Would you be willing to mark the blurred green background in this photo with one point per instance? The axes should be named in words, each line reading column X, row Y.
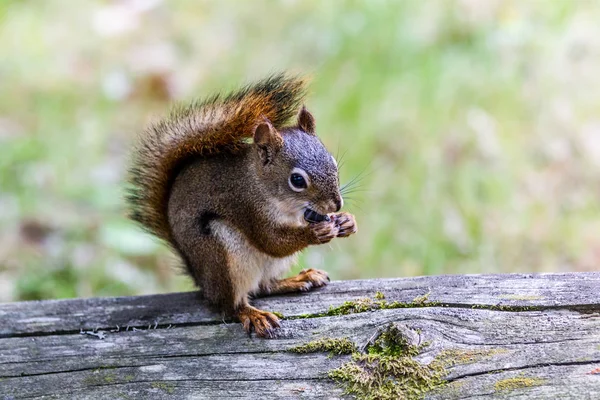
column 474, row 125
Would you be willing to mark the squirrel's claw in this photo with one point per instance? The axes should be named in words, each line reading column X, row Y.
column 315, row 277
column 339, row 225
column 263, row 322
column 324, row 231
column 246, row 324
column 346, row 224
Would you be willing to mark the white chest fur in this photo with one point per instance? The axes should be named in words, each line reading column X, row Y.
column 249, row 267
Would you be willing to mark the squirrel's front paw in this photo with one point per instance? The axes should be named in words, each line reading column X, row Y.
column 263, row 322
column 345, row 223
column 324, row 231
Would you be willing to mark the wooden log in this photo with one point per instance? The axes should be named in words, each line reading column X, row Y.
column 489, row 336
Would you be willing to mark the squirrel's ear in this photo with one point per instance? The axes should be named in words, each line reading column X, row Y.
column 306, row 121
column 267, row 140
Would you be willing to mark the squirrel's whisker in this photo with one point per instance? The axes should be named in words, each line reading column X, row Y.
column 358, row 178
column 341, row 160
column 354, row 181
column 357, row 190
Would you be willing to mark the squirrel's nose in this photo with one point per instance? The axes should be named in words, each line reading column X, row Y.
column 339, row 202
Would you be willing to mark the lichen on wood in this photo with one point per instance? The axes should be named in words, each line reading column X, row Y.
column 385, row 370
column 518, row 382
column 520, row 297
column 335, row 346
column 451, row 357
column 366, row 304
column 168, row 388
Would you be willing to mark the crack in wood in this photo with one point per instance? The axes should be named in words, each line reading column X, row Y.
column 523, row 368
column 24, row 375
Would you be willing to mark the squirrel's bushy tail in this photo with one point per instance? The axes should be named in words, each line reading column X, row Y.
column 217, row 124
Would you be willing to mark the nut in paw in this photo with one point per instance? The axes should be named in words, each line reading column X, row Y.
column 324, row 231
column 345, row 223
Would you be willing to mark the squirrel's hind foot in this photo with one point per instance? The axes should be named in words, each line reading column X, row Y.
column 263, row 322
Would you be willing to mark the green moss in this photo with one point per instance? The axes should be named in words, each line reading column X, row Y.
column 333, row 346
column 129, row 378
column 367, row 304
column 453, row 357
column 392, row 342
column 386, row 370
column 517, row 383
column 350, row 307
column 520, row 297
column 278, row 314
column 98, row 377
column 508, row 308
column 421, row 299
column 165, row 387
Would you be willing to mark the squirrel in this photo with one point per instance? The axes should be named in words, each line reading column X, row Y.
column 237, row 192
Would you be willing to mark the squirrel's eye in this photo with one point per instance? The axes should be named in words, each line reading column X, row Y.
column 297, row 182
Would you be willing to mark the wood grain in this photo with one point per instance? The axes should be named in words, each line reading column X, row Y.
column 545, row 327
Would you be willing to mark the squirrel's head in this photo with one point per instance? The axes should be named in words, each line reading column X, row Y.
column 296, row 168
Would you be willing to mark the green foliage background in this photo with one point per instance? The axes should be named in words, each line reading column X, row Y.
column 474, row 125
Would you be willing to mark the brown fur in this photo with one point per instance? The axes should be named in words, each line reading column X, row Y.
column 225, row 204
column 215, row 125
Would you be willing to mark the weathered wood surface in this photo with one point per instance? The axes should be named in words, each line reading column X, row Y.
column 190, row 352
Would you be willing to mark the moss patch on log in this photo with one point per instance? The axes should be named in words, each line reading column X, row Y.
column 520, row 297
column 378, row 303
column 451, row 357
column 366, row 304
column 168, row 388
column 385, row 370
column 504, row 307
column 99, row 377
column 517, row 382
column 336, row 346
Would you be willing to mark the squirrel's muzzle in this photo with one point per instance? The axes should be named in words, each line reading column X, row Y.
column 314, row 217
